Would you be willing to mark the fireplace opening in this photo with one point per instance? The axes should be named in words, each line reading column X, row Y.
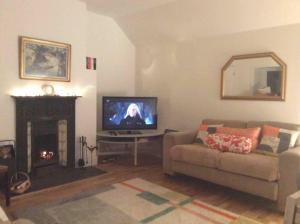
column 45, row 152
column 45, row 143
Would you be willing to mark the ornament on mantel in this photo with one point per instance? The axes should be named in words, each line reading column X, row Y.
column 48, row 90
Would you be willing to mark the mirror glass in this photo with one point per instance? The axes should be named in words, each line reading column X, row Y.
column 254, row 77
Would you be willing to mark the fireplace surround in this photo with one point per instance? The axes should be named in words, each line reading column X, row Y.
column 45, row 131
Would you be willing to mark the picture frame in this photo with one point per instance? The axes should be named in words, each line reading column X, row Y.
column 44, row 60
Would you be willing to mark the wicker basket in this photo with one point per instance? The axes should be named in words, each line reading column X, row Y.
column 19, row 183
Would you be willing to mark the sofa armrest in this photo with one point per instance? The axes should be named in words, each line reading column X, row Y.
column 289, row 175
column 175, row 138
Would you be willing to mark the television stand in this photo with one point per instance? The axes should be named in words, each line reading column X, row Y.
column 129, row 132
column 112, row 137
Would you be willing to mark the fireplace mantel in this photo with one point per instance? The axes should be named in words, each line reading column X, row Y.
column 44, row 97
column 36, row 108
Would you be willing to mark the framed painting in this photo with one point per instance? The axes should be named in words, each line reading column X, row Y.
column 44, row 60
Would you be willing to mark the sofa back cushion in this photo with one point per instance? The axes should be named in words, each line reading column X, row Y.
column 252, row 133
column 226, row 123
column 289, row 126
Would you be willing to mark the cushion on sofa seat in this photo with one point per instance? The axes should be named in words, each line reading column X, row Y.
column 277, row 140
column 289, row 126
column 229, row 143
column 204, row 130
column 195, row 154
column 253, row 165
column 252, row 133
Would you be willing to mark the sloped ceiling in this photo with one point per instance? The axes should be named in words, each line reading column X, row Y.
column 117, row 8
column 182, row 20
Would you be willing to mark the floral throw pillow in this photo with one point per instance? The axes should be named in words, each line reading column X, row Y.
column 252, row 133
column 229, row 143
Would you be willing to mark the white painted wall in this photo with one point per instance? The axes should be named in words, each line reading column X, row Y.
column 186, row 77
column 89, row 34
column 63, row 21
column 176, row 60
column 115, row 59
column 187, row 20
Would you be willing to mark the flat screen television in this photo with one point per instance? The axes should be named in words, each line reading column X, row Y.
column 129, row 113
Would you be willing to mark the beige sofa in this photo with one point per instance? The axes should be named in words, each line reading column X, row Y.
column 270, row 177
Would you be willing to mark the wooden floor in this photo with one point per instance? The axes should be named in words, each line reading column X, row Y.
column 151, row 170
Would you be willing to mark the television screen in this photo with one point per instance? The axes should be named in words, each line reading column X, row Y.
column 129, row 113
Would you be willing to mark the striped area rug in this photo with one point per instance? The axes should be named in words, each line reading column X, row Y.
column 3, row 216
column 135, row 201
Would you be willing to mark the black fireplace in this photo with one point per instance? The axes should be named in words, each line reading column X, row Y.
column 45, row 132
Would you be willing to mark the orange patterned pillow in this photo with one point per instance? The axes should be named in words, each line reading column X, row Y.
column 229, row 143
column 277, row 140
column 252, row 133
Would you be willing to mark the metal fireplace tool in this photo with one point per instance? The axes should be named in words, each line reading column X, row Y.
column 84, row 148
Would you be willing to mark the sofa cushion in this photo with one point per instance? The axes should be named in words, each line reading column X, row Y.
column 226, row 123
column 289, row 126
column 277, row 140
column 229, row 143
column 195, row 154
column 205, row 130
column 253, row 165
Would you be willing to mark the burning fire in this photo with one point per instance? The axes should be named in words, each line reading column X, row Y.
column 46, row 154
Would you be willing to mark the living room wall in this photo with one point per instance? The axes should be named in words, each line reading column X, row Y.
column 186, row 77
column 116, row 59
column 64, row 21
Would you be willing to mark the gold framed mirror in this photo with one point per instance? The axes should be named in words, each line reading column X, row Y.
column 260, row 76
